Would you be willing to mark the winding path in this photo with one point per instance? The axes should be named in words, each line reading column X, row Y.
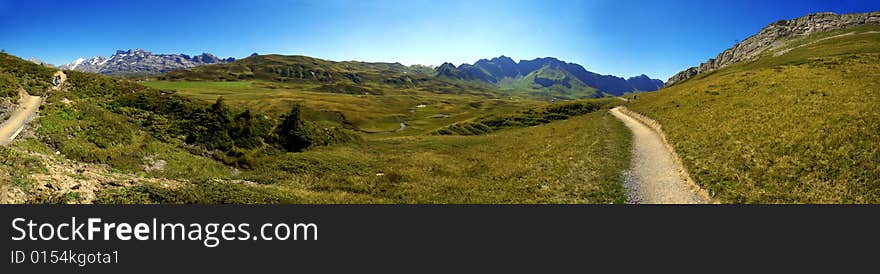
column 653, row 176
column 24, row 113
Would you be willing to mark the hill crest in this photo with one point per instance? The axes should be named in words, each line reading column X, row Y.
column 770, row 35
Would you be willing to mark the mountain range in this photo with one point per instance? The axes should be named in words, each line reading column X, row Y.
column 546, row 73
column 544, row 77
column 139, row 62
column 547, row 78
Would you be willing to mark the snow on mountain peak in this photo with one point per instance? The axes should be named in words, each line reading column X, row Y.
column 76, row 63
column 139, row 61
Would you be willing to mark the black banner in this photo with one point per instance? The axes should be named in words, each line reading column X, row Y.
column 429, row 238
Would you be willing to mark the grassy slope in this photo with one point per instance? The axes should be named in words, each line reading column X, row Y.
column 802, row 126
column 527, row 85
column 16, row 73
column 86, row 130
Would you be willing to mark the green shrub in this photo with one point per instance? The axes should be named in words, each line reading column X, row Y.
column 35, row 79
column 295, row 134
column 8, row 87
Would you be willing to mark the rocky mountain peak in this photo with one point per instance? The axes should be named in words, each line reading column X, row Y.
column 446, row 66
column 141, row 62
column 503, row 58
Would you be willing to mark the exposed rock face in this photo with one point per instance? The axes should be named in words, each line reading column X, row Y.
column 754, row 45
column 140, row 62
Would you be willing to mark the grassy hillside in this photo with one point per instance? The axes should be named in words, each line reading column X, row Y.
column 35, row 79
column 88, row 122
column 549, row 83
column 16, row 73
column 798, row 125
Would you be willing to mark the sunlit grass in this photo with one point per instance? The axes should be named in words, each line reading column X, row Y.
column 801, row 127
column 421, row 111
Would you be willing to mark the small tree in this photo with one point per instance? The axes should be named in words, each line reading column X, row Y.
column 249, row 130
column 293, row 133
column 212, row 127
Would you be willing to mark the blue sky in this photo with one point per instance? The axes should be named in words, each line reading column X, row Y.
column 620, row 37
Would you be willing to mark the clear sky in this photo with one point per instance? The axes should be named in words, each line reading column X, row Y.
column 620, row 37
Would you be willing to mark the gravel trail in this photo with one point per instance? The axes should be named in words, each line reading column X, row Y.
column 653, row 177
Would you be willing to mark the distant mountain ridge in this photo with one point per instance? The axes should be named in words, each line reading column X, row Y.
column 140, row 62
column 546, row 72
column 770, row 36
column 547, row 78
column 346, row 77
column 40, row 62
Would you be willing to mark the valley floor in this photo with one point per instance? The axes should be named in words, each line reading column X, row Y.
column 573, row 161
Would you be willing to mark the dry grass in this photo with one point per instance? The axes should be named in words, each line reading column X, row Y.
column 572, row 161
column 801, row 127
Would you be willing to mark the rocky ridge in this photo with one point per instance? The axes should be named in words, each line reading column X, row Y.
column 140, row 62
column 769, row 37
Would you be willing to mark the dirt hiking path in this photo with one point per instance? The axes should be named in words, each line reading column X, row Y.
column 24, row 112
column 653, row 176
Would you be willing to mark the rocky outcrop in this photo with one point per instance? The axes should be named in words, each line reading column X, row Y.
column 775, row 32
column 140, row 62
